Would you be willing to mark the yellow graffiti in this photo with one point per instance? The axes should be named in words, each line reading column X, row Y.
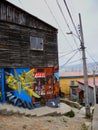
column 23, row 81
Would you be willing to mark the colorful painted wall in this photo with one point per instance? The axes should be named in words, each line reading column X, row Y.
column 30, row 85
column 65, row 83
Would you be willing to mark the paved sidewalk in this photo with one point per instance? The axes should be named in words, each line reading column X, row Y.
column 95, row 118
column 80, row 115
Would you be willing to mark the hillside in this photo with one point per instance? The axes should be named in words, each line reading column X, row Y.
column 79, row 67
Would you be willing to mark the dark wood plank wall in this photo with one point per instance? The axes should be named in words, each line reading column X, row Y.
column 16, row 27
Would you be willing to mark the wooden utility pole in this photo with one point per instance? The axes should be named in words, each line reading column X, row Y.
column 87, row 106
column 94, row 87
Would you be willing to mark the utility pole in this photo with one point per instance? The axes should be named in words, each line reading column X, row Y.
column 94, row 87
column 87, row 106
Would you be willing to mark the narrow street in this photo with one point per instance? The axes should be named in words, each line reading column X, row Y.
column 48, row 122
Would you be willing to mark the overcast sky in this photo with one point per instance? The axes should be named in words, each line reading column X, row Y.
column 89, row 14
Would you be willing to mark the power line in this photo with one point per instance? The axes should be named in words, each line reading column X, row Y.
column 92, row 58
column 66, row 21
column 65, row 3
column 68, row 53
column 92, row 66
column 69, row 59
column 63, row 14
column 63, row 52
column 76, row 60
column 57, row 23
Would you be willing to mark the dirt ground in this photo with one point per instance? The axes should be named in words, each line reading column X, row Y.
column 17, row 122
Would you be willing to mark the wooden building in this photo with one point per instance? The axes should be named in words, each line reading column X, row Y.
column 25, row 40
column 26, row 43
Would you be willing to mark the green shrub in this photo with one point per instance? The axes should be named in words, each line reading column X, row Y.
column 70, row 114
column 84, row 127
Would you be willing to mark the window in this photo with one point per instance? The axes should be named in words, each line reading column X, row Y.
column 72, row 83
column 74, row 91
column 36, row 43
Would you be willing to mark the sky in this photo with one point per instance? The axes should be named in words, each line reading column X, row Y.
column 48, row 11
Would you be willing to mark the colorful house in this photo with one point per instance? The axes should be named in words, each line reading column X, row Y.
column 68, row 79
column 78, row 92
column 28, row 57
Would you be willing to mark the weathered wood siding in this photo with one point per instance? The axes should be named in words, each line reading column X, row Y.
column 16, row 27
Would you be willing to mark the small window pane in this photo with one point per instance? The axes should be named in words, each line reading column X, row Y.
column 72, row 83
column 36, row 43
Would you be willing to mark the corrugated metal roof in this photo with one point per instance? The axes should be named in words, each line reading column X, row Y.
column 73, row 74
column 90, row 82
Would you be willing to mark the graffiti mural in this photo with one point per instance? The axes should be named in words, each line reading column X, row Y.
column 31, row 87
column 21, row 82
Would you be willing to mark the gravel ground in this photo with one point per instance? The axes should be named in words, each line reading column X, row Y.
column 17, row 122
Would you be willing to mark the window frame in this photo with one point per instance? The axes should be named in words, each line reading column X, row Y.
column 38, row 45
column 72, row 83
column 74, row 91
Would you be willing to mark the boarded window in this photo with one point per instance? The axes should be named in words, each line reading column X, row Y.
column 3, row 12
column 16, row 16
column 9, row 13
column 36, row 43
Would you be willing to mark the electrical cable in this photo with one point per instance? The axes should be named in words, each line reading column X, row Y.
column 92, row 58
column 57, row 23
column 76, row 60
column 68, row 53
column 63, row 14
column 65, row 3
column 69, row 59
column 66, row 21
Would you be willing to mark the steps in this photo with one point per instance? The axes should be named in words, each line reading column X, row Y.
column 9, row 109
column 16, row 101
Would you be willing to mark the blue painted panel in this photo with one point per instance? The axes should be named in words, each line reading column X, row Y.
column 16, row 72
column 56, row 74
column 20, row 70
column 22, row 95
column 2, row 90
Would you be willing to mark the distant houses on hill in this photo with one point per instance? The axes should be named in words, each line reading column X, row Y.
column 78, row 67
column 72, row 85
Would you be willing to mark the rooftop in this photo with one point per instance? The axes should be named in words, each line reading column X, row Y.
column 74, row 74
column 90, row 82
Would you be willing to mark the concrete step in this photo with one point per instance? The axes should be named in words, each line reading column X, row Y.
column 9, row 109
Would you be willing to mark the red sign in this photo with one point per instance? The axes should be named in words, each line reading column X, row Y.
column 40, row 75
